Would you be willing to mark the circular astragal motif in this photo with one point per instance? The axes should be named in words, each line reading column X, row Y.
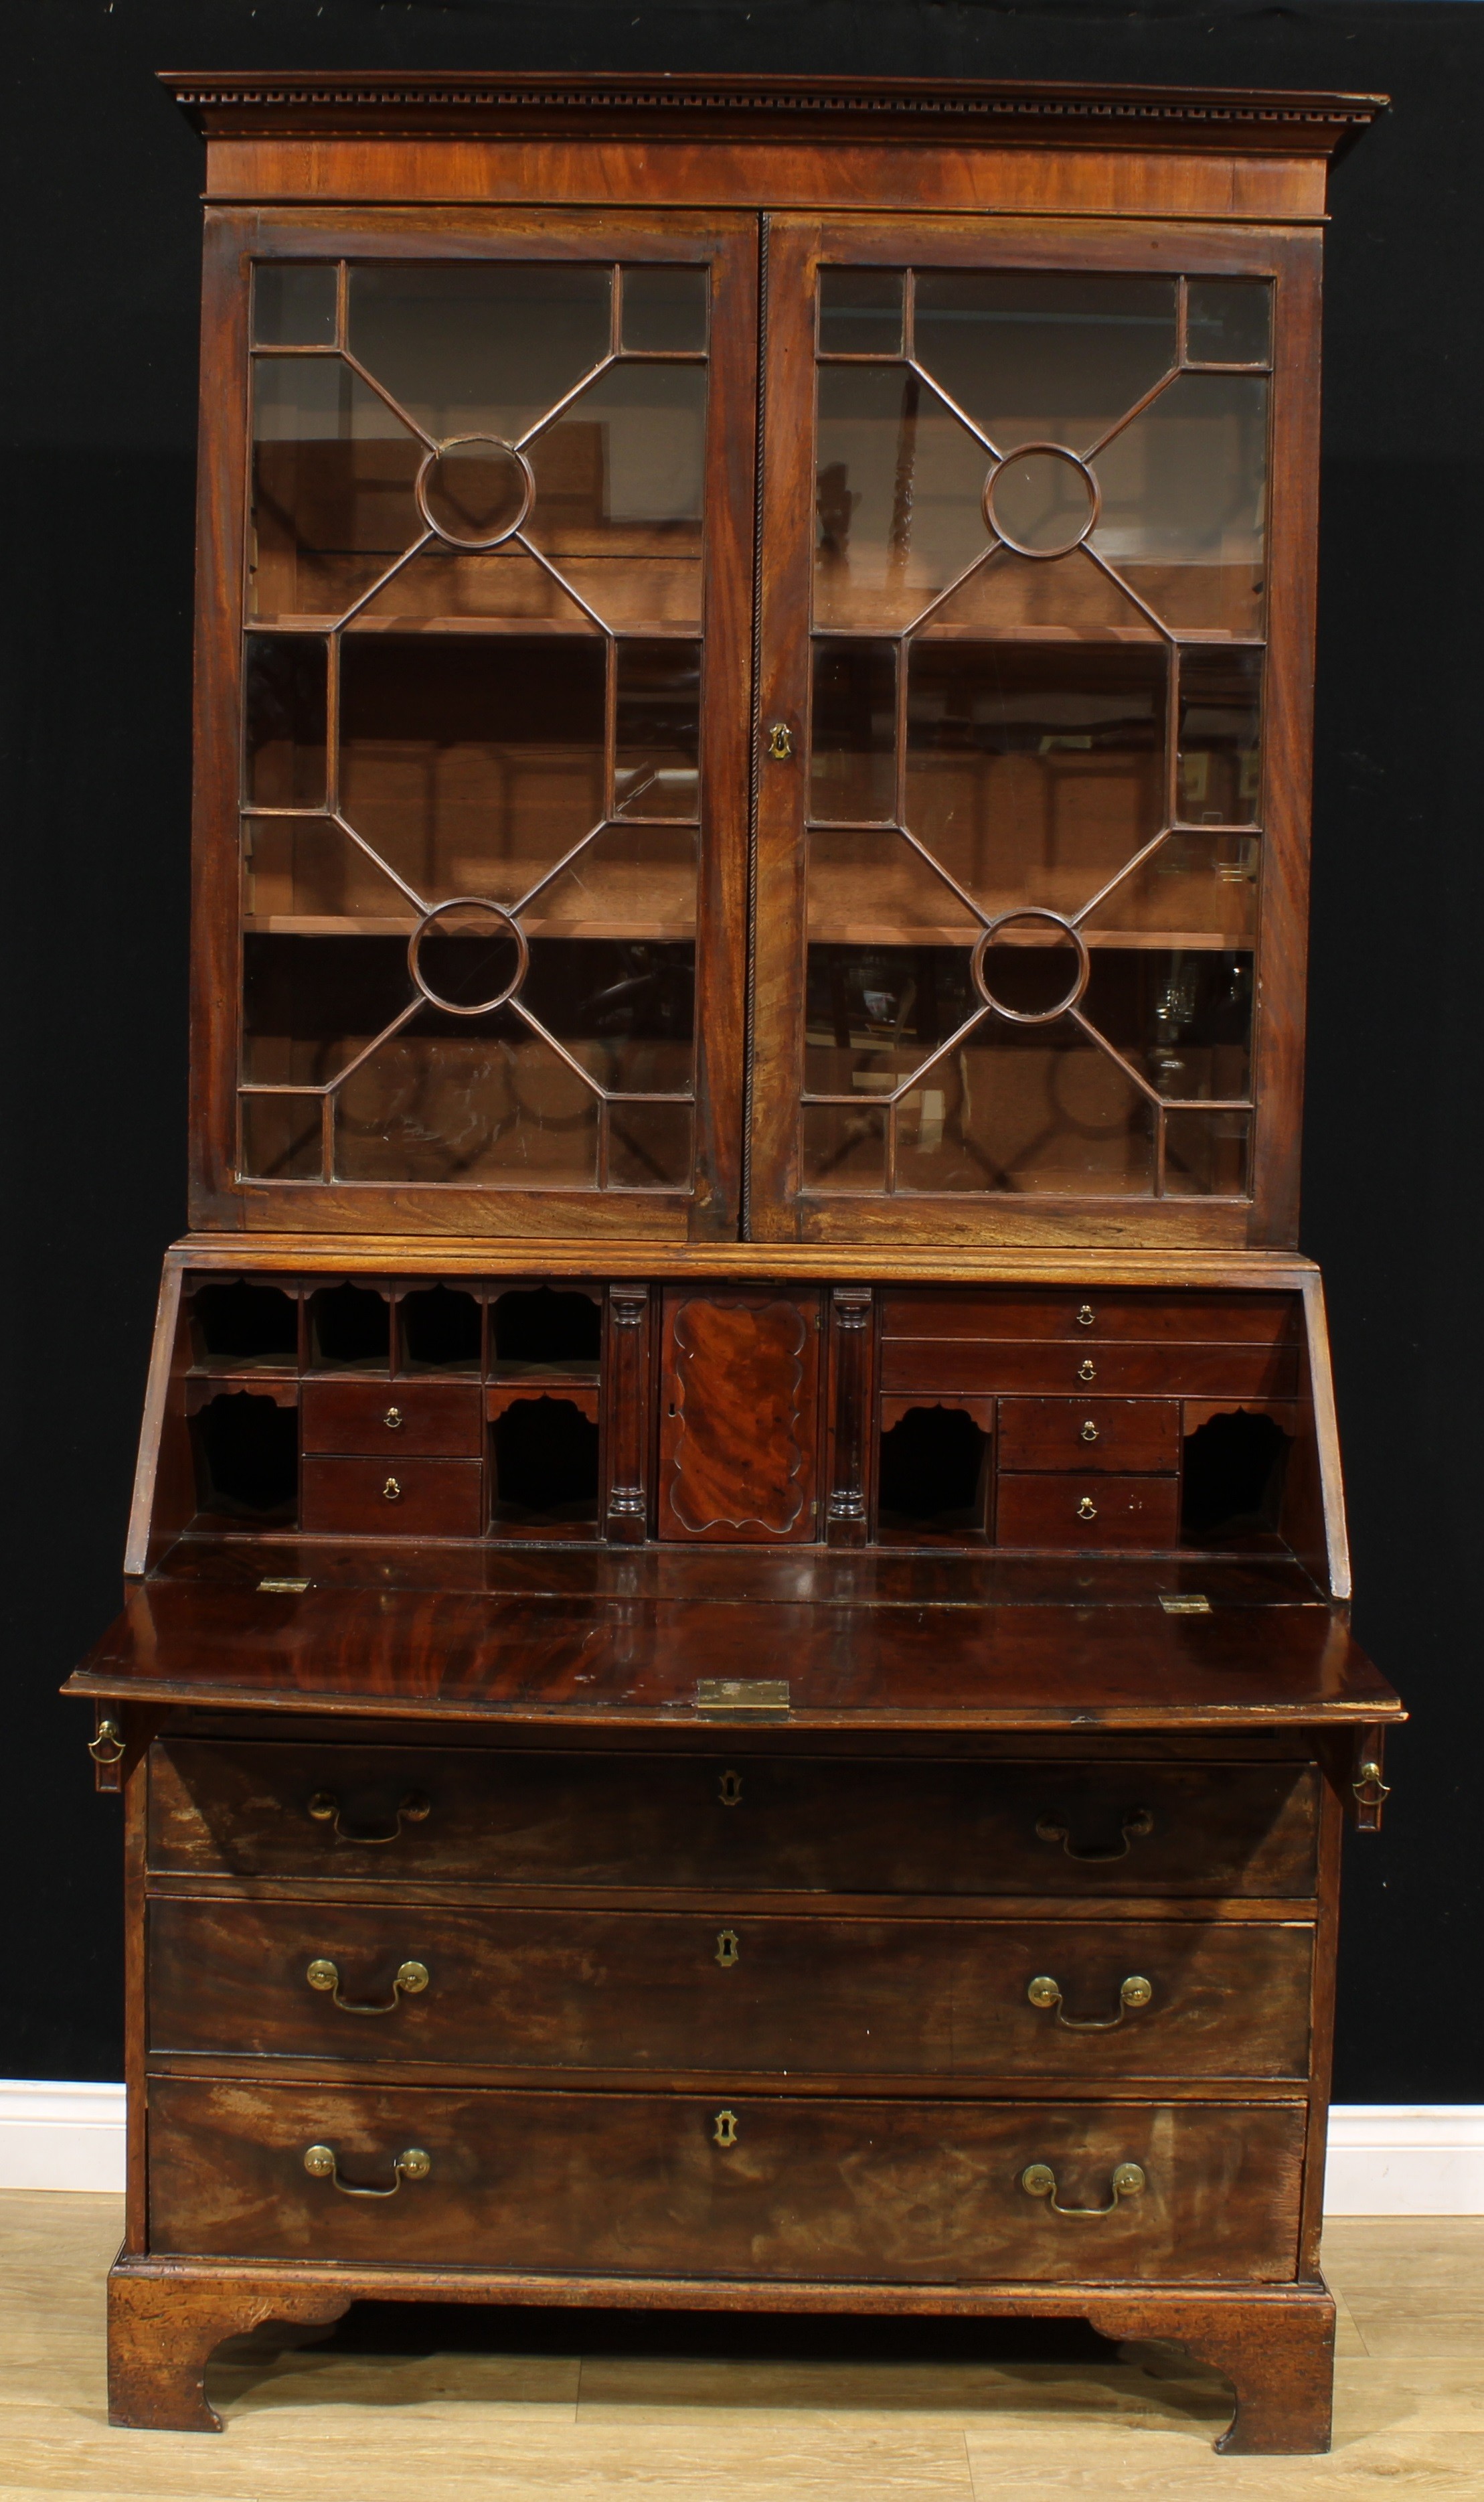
column 1041, row 500
column 475, row 490
column 476, row 948
column 1028, row 979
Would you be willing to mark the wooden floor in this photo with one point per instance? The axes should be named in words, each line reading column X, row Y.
column 536, row 2408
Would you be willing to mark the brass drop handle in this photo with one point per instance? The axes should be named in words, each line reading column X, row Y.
column 724, row 2128
column 728, row 1948
column 412, row 1809
column 1038, row 2180
column 1370, row 1789
column 729, row 1790
column 325, row 1975
column 1089, row 1429
column 106, row 1746
column 780, row 742
column 1133, row 1828
column 1086, row 1316
column 1132, row 1993
column 412, row 2164
column 1087, row 1509
column 1086, row 1370
column 393, row 1420
column 392, row 1492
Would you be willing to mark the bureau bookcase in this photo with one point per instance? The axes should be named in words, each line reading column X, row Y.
column 735, row 1684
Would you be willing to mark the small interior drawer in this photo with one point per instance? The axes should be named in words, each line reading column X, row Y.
column 391, row 1497
column 1089, row 1317
column 1093, row 1434
column 967, row 1367
column 1088, row 1511
column 437, row 1418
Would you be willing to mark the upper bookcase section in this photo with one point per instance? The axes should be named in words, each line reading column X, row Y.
column 753, row 657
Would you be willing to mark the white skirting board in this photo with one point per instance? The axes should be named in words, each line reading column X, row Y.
column 1385, row 2158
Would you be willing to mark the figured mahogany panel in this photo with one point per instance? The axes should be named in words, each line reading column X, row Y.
column 732, row 1991
column 739, row 1416
column 735, row 2184
column 779, row 1822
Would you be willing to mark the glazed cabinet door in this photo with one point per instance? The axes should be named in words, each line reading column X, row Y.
column 473, row 730
column 1037, row 626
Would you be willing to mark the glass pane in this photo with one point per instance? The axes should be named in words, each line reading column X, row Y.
column 853, row 744
column 619, row 490
column 1183, row 497
column 657, row 738
column 1221, row 721
column 664, row 311
column 479, row 348
column 649, row 1146
column 1008, row 592
column 303, row 873
column 1205, row 1154
column 1183, row 1017
column 1044, row 355
column 871, row 889
column 899, row 496
column 1228, row 322
column 1034, row 771
column 625, row 1010
column 448, row 582
column 875, row 1014
column 1038, row 1108
column 281, row 1136
column 629, row 882
column 472, row 764
column 860, row 311
column 310, row 1005
column 1193, row 889
column 466, row 1099
column 283, row 721
column 332, row 487
column 844, row 1148
column 293, row 304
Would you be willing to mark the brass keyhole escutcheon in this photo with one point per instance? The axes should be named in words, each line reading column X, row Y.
column 724, row 2128
column 1089, row 1429
column 780, row 742
column 1087, row 1509
column 728, row 1946
column 1086, row 1370
column 393, row 1420
column 729, row 1790
column 392, row 1492
column 1086, row 1316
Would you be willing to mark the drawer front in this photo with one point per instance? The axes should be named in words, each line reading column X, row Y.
column 777, row 1823
column 395, row 1417
column 1240, row 1319
column 391, row 1497
column 1089, row 1434
column 965, row 1368
column 731, row 1993
column 1088, row 1511
column 730, row 2184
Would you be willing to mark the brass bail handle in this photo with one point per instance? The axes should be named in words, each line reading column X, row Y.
column 322, row 2163
column 1133, row 1993
column 325, row 1808
column 106, row 1746
column 1038, row 2180
column 411, row 1977
column 1135, row 1826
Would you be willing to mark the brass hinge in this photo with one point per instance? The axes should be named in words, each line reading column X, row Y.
column 742, row 1698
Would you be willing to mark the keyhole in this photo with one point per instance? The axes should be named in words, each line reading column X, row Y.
column 729, row 1790
column 728, row 1946
column 724, row 2128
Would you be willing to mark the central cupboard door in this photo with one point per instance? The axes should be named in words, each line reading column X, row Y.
column 476, row 912
column 1030, row 581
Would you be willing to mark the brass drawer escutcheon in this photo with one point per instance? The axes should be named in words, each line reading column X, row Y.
column 391, row 1490
column 1038, row 2180
column 1086, row 1316
column 729, row 1790
column 1086, row 1370
column 1087, row 1430
column 1087, row 1509
column 325, row 1976
column 728, row 1948
column 1135, row 1826
column 724, row 2128
column 780, row 742
column 412, row 1809
column 393, row 1420
column 322, row 2163
column 1133, row 1993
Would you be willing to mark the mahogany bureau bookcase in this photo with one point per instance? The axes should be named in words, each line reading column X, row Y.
column 735, row 1686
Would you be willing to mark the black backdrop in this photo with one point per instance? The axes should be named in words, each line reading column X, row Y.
column 98, row 357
